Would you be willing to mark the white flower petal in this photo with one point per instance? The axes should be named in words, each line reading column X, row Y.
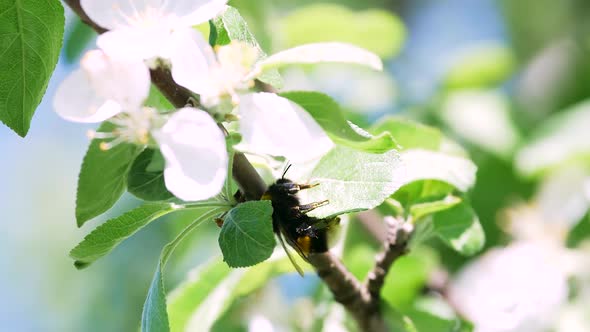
column 125, row 82
column 77, row 101
column 136, row 43
column 195, row 153
column 114, row 14
column 194, row 12
column 322, row 52
column 191, row 59
column 276, row 126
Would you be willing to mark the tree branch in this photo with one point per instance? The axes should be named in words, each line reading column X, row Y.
column 398, row 234
column 361, row 300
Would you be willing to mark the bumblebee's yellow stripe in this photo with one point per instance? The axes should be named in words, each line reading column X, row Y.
column 304, row 243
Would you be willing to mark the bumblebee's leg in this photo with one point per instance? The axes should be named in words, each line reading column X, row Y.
column 311, row 206
column 294, row 188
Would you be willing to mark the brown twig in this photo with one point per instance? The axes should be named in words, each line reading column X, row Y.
column 361, row 300
column 398, row 234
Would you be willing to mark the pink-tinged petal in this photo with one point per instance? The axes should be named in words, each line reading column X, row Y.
column 114, row 14
column 77, row 101
column 194, row 12
column 195, row 153
column 276, row 126
column 191, row 58
column 125, row 82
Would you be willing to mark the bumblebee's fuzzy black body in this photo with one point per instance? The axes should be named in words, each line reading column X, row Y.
column 304, row 233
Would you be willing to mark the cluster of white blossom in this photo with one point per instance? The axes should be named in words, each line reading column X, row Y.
column 114, row 82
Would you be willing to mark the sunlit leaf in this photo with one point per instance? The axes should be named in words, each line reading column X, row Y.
column 331, row 52
column 562, row 139
column 328, row 115
column 209, row 290
column 31, row 34
column 353, row 180
column 333, row 22
column 429, row 165
column 154, row 316
column 485, row 65
column 459, row 228
column 409, row 134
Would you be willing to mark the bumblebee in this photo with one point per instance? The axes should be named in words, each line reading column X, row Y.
column 291, row 223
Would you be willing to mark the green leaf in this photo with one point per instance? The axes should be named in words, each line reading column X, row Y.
column 157, row 100
column 332, row 22
column 231, row 26
column 328, row 115
column 579, row 233
column 422, row 191
column 77, row 39
column 484, row 66
column 147, row 182
column 409, row 134
column 407, row 278
column 103, row 177
column 433, row 314
column 154, row 316
column 562, row 139
column 352, row 181
column 210, row 290
column 430, row 165
column 459, row 228
column 422, row 210
column 246, row 236
column 107, row 236
column 31, row 34
column 327, row 52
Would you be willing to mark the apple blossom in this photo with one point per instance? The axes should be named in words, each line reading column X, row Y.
column 145, row 29
column 276, row 126
column 195, row 153
column 102, row 88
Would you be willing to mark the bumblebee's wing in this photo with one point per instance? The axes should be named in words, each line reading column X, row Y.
column 295, row 265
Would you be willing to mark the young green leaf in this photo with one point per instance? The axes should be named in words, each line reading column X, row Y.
column 107, row 236
column 561, row 139
column 459, row 228
column 208, row 292
column 484, row 66
column 231, row 26
column 103, row 177
column 321, row 22
column 422, row 191
column 327, row 52
column 429, row 165
column 420, row 210
column 353, row 180
column 154, row 316
column 409, row 134
column 326, row 112
column 31, row 34
column 246, row 236
column 147, row 182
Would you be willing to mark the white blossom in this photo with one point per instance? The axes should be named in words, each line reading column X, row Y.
column 144, row 29
column 103, row 87
column 517, row 288
column 195, row 153
column 276, row 126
